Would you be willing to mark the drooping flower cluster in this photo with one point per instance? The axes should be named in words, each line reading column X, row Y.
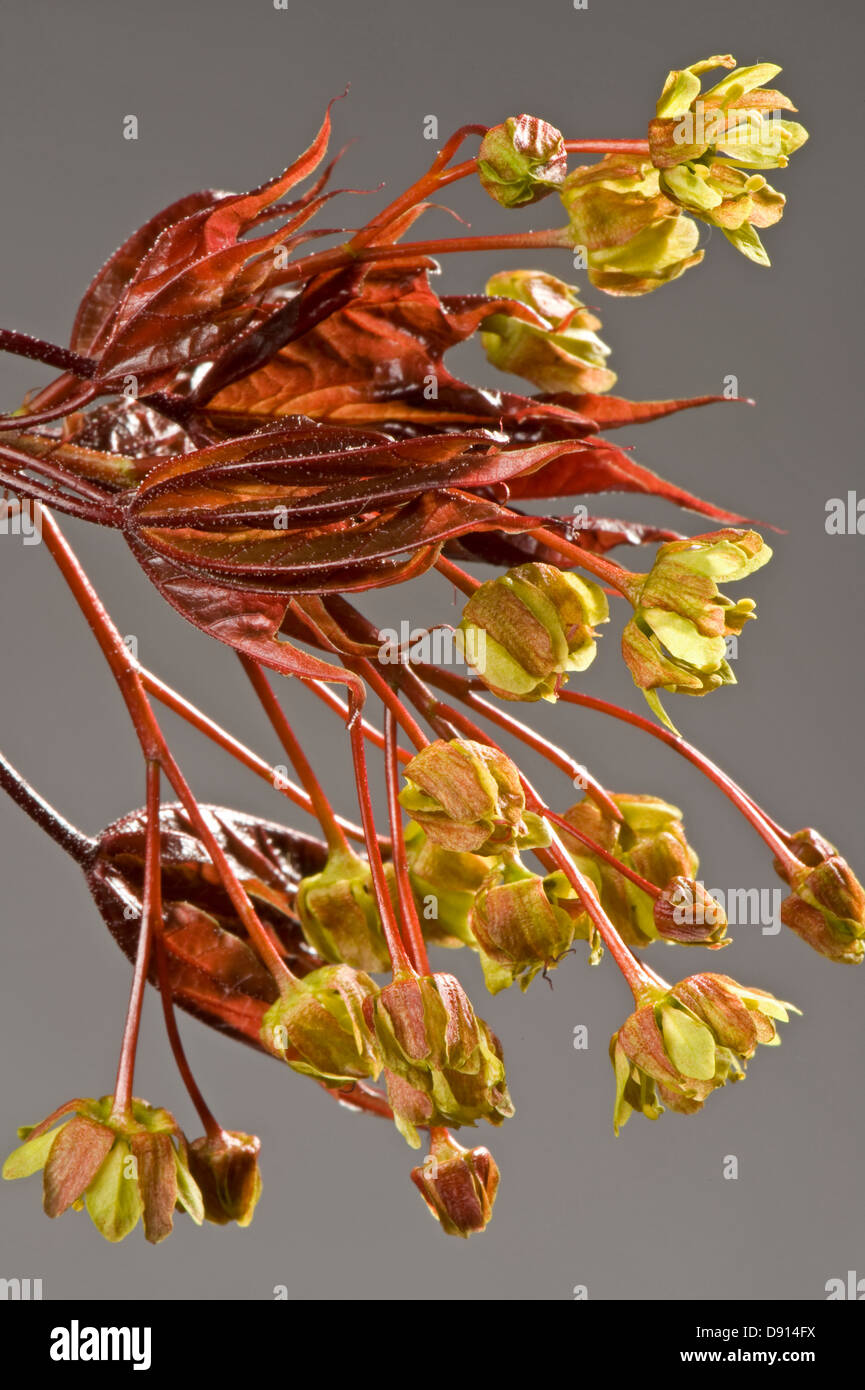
column 298, row 441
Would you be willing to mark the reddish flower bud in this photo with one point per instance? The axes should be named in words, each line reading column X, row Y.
column 226, row 1170
column 687, row 914
column 522, row 161
column 827, row 909
column 458, row 1185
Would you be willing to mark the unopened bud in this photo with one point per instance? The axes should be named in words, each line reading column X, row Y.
column 522, row 161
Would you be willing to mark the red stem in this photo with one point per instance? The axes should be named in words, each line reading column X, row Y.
column 196, row 717
column 151, row 917
column 399, row 960
column 323, row 810
column 466, row 583
column 651, row 888
column 749, row 809
column 339, row 706
column 212, row 1128
column 408, row 909
column 606, row 570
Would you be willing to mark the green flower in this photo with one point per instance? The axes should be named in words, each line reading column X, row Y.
column 447, row 882
column 676, row 1049
column 523, row 925
column 318, row 1026
column 526, row 630
column 651, row 840
column 676, row 639
column 120, row 1168
column 469, row 796
column 522, row 161
column 339, row 913
column 707, row 146
column 635, row 237
column 558, row 349
column 443, row 1064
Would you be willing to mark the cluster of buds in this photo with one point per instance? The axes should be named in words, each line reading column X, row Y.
column 826, row 907
column 443, row 1064
column 676, row 640
column 708, row 145
column 123, row 1168
column 367, row 510
column 634, row 237
column 650, row 839
column 529, row 628
column 558, row 348
column 682, row 1043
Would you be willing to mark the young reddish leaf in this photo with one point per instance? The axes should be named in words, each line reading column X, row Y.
column 261, row 512
column 198, row 284
column 104, row 295
column 378, row 361
column 596, row 533
column 598, row 466
column 214, row 972
column 249, row 620
column 611, row 412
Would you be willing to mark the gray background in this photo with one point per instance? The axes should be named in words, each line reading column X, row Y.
column 226, row 94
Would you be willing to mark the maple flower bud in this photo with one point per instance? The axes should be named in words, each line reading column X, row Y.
column 447, row 1059
column 527, row 629
column 686, row 914
column 121, row 1168
column 444, row 883
column 676, row 639
column 520, row 927
column 458, row 1185
column 556, row 347
column 339, row 913
column 651, row 840
column 689, row 1040
column 318, row 1026
column 634, row 237
column 827, row 908
column 809, row 847
column 707, row 145
column 225, row 1166
column 468, row 796
column 522, row 161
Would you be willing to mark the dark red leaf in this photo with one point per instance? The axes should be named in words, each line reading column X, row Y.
column 214, row 972
column 611, row 412
column 598, row 466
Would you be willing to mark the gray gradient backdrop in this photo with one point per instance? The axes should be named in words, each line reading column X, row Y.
column 226, row 93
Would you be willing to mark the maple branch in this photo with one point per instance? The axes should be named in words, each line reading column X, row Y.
column 80, row 847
